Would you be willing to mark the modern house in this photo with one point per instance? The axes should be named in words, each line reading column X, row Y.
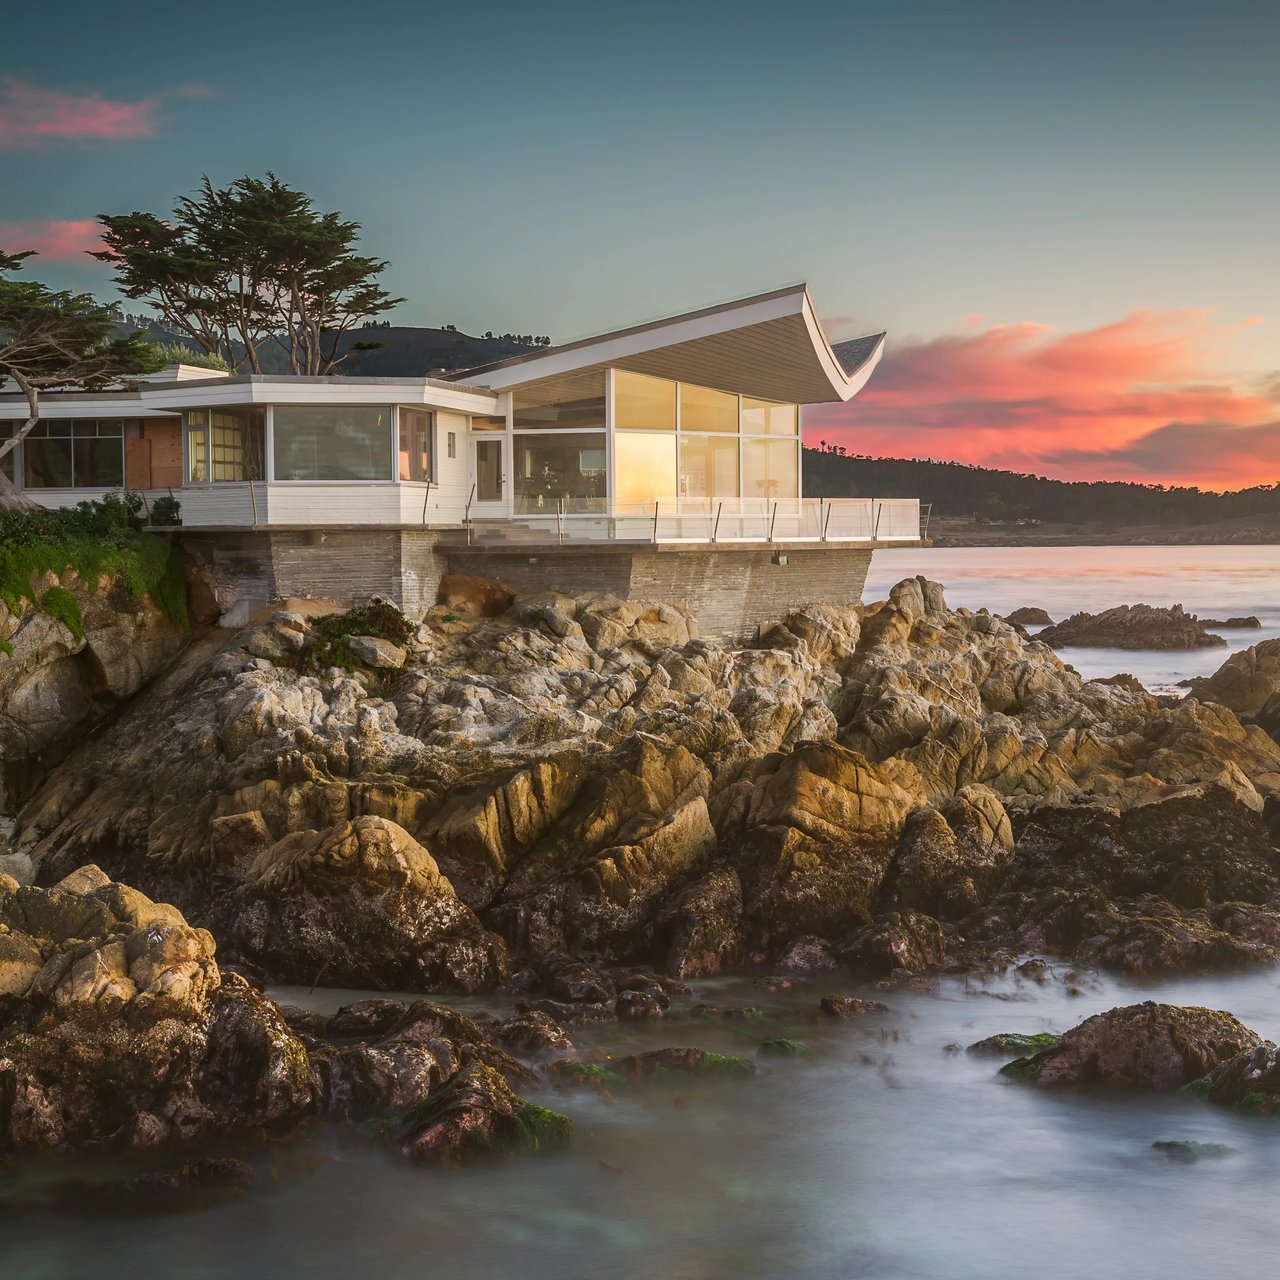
column 661, row 461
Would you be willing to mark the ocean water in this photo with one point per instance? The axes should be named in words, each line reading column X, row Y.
column 1214, row 582
column 886, row 1153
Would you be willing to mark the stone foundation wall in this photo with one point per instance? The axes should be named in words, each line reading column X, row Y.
column 733, row 591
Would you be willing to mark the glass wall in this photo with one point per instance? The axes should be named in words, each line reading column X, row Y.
column 770, row 469
column 561, row 403
column 415, row 445
column 332, row 444
column 560, row 468
column 644, row 466
column 641, row 403
column 79, row 454
column 767, row 418
column 702, row 409
column 708, row 466
column 225, row 445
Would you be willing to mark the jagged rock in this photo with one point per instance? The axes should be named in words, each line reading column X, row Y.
column 1146, row 1046
column 359, row 904
column 1138, row 626
column 1028, row 616
column 850, row 1006
column 532, row 1032
column 907, row 942
column 1247, row 681
column 1250, row 623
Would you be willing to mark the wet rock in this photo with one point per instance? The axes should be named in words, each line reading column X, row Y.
column 1249, row 623
column 906, row 941
column 1015, row 1043
column 1187, row 1152
column 726, row 1013
column 1143, row 1046
column 190, row 1185
column 478, row 1114
column 1249, row 1082
column 773, row 982
column 1138, row 626
column 850, row 1006
column 532, row 1032
column 783, row 1048
column 365, row 1018
column 569, row 1014
column 699, row 1063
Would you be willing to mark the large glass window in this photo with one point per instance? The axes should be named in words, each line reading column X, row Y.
column 415, row 445
column 332, row 444
column 641, row 403
column 702, row 409
column 768, row 418
column 644, row 465
column 770, row 469
column 576, row 401
column 225, row 445
column 556, row 468
column 80, row 454
column 708, row 466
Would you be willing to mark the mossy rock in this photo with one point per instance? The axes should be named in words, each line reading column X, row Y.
column 1187, row 1152
column 781, row 1047
column 590, row 1075
column 1021, row 1044
column 685, row 1063
column 1023, row 1070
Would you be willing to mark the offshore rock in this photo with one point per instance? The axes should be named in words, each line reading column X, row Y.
column 1138, row 626
column 1144, row 1046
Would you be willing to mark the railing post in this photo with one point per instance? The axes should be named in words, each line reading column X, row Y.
column 926, row 511
column 560, row 519
column 875, row 532
column 253, row 503
column 715, row 529
column 655, row 523
column 773, row 520
column 466, row 513
column 826, row 520
column 425, row 496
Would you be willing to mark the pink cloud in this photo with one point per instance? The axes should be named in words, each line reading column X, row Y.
column 1075, row 405
column 60, row 241
column 31, row 116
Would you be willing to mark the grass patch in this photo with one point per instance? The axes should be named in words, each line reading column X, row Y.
column 95, row 540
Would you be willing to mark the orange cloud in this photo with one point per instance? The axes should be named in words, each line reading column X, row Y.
column 61, row 241
column 1128, row 400
column 31, row 116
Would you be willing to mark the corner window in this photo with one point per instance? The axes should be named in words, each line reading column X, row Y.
column 768, row 418
column 702, row 409
column 332, row 444
column 415, row 445
column 225, row 445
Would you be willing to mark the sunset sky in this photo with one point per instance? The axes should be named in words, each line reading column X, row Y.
column 1064, row 215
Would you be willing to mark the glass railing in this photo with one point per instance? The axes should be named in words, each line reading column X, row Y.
column 866, row 520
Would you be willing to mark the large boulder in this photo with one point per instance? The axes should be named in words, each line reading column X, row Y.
column 359, row 904
column 1247, row 682
column 1143, row 1046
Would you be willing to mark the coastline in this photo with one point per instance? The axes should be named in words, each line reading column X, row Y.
column 1247, row 531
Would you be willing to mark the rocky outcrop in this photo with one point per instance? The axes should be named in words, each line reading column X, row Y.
column 1248, row 682
column 1142, row 1046
column 63, row 667
column 1250, row 623
column 1028, row 617
column 119, row 1029
column 1138, row 626
column 576, row 785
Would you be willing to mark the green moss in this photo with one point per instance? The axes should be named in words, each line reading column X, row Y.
column 725, row 1065
column 591, row 1074
column 783, row 1048
column 63, row 607
column 328, row 643
column 1190, row 1152
column 1018, row 1042
column 1196, row 1089
column 1257, row 1104
column 1024, row 1070
column 6, row 648
column 539, row 1128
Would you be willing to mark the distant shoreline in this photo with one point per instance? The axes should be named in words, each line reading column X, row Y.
column 1233, row 533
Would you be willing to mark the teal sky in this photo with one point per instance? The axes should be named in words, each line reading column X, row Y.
column 565, row 168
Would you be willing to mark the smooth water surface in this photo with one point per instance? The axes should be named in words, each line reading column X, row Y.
column 1214, row 582
column 887, row 1154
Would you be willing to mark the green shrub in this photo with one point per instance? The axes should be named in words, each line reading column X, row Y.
column 165, row 511
column 327, row 644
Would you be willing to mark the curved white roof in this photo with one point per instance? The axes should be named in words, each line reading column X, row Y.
column 771, row 345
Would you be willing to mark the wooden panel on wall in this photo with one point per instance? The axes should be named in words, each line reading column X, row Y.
column 165, row 438
column 137, row 464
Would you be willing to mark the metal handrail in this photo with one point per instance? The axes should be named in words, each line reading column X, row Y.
column 466, row 512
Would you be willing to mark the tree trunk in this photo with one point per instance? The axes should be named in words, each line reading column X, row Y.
column 11, row 498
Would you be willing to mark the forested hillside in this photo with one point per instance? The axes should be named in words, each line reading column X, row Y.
column 957, row 490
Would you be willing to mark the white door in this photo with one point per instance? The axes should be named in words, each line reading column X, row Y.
column 489, row 475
